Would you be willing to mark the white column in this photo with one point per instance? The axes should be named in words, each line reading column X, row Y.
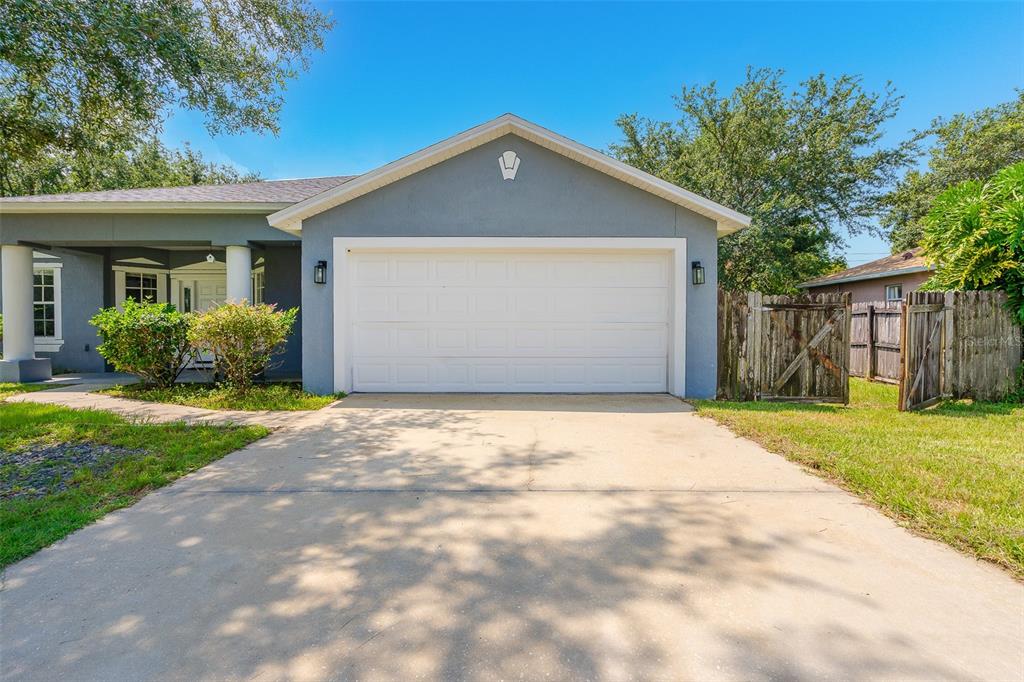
column 239, row 260
column 19, row 336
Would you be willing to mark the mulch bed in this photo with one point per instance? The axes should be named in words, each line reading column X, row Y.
column 38, row 471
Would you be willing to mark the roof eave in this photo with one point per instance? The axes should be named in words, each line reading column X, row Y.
column 290, row 218
column 30, row 207
column 860, row 278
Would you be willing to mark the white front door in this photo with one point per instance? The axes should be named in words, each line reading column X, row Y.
column 509, row 320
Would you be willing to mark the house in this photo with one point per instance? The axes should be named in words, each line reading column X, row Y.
column 505, row 258
column 885, row 279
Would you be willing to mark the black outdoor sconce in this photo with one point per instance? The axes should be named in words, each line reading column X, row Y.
column 698, row 272
column 320, row 272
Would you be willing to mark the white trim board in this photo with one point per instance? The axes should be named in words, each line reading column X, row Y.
column 341, row 275
column 290, row 219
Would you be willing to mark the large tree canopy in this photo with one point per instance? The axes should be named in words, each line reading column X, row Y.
column 147, row 164
column 98, row 76
column 974, row 233
column 804, row 164
column 966, row 147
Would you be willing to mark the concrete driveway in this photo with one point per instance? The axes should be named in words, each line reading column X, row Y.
column 494, row 537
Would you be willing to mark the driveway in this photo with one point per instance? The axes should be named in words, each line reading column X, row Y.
column 493, row 537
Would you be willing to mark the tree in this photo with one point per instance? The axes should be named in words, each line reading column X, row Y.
column 97, row 77
column 802, row 164
column 149, row 164
column 966, row 147
column 974, row 234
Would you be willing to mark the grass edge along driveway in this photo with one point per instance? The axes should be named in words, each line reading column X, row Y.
column 275, row 396
column 168, row 451
column 953, row 473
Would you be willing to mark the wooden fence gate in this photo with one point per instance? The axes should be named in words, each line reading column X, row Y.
column 957, row 344
column 923, row 339
column 793, row 348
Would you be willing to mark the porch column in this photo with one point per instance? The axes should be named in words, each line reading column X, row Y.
column 19, row 361
column 239, row 260
column 16, row 265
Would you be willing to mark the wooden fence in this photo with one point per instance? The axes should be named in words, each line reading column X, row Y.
column 958, row 344
column 963, row 344
column 793, row 348
column 875, row 340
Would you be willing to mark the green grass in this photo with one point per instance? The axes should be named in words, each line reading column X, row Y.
column 7, row 390
column 954, row 472
column 260, row 397
column 170, row 451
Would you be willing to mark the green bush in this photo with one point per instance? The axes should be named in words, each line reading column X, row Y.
column 149, row 340
column 242, row 338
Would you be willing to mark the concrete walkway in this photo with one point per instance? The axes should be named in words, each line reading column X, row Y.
column 505, row 537
column 82, row 395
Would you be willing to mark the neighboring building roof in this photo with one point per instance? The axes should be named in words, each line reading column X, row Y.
column 290, row 219
column 268, row 195
column 890, row 266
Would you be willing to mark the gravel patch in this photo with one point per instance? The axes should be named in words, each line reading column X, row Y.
column 42, row 470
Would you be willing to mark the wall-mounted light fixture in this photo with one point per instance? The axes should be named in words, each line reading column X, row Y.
column 320, row 272
column 698, row 272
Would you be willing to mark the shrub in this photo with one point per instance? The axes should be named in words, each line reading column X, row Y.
column 242, row 338
column 149, row 340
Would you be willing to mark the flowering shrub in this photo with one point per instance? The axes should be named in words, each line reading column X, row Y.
column 149, row 340
column 242, row 338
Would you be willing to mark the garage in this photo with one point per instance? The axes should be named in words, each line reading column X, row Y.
column 519, row 316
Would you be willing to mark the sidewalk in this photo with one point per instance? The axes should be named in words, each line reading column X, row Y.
column 81, row 396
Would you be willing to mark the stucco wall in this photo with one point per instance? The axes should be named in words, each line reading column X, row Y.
column 81, row 296
column 552, row 196
column 869, row 290
column 282, row 265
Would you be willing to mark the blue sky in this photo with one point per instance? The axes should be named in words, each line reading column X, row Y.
column 395, row 77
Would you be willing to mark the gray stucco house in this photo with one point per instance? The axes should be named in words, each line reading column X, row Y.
column 505, row 258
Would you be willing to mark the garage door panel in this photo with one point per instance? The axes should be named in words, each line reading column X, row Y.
column 629, row 375
column 534, row 304
column 528, row 321
column 382, row 340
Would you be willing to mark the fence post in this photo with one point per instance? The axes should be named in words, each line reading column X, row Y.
column 949, row 349
column 904, row 320
column 848, row 338
column 754, row 314
column 870, row 371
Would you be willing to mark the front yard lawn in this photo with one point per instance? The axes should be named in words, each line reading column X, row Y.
column 61, row 469
column 260, row 397
column 954, row 472
column 10, row 389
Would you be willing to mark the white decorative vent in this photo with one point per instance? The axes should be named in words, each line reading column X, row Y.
column 509, row 163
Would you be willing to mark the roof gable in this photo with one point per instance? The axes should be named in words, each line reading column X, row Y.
column 290, row 219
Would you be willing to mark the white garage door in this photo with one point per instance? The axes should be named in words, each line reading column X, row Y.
column 509, row 321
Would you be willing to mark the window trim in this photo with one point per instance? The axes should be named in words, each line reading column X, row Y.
column 258, row 275
column 119, row 282
column 899, row 296
column 50, row 344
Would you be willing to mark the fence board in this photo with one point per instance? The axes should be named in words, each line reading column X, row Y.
column 875, row 340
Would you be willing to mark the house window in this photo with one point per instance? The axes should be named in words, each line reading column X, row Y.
column 140, row 287
column 894, row 292
column 258, row 286
column 45, row 309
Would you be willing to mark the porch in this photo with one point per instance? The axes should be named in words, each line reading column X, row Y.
column 50, row 291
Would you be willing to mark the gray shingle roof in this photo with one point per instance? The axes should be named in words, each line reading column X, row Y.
column 269, row 191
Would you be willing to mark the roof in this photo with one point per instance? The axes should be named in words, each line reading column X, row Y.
column 896, row 264
column 264, row 196
column 290, row 219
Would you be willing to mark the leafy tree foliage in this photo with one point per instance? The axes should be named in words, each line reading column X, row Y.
column 149, row 164
column 803, row 164
column 966, row 147
column 974, row 233
column 98, row 76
